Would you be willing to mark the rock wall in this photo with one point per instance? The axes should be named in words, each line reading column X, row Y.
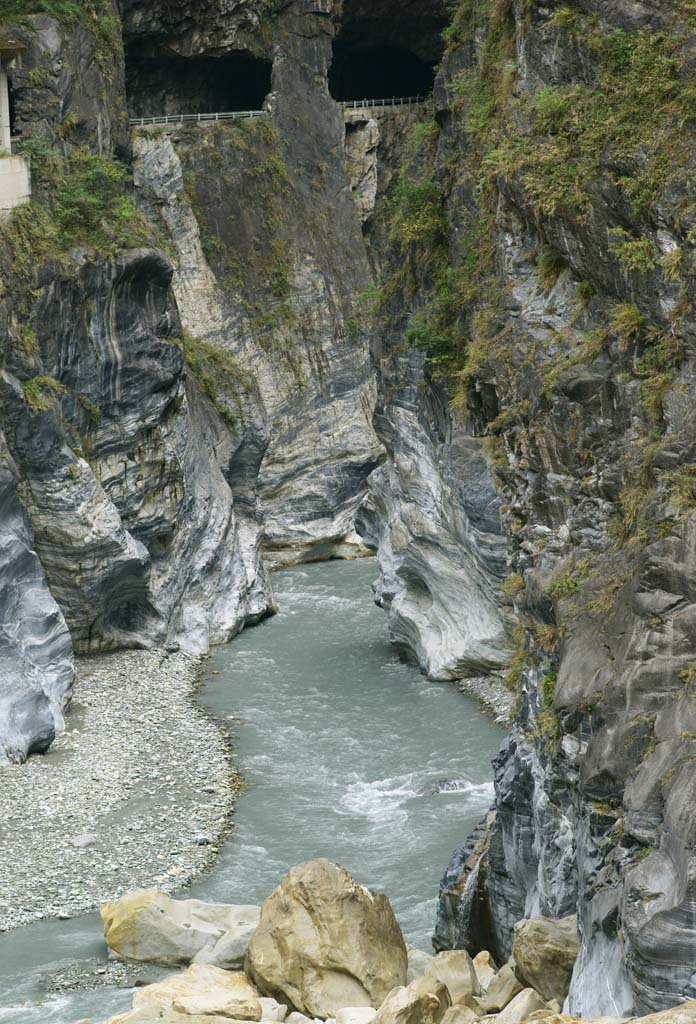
column 268, row 267
column 180, row 389
column 432, row 513
column 523, row 281
column 36, row 655
column 566, row 335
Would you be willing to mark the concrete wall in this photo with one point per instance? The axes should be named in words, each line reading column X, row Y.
column 15, row 182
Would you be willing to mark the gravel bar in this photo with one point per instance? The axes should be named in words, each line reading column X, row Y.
column 138, row 792
column 493, row 696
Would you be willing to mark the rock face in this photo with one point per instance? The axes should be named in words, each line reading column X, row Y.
column 530, row 235
column 150, row 927
column 325, row 942
column 575, row 358
column 168, row 415
column 258, row 273
column 432, row 513
column 35, row 650
column 148, row 510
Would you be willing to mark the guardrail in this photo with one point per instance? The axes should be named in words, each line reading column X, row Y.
column 395, row 101
column 234, row 115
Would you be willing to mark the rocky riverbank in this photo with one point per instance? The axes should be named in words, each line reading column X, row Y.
column 495, row 698
column 137, row 792
column 323, row 947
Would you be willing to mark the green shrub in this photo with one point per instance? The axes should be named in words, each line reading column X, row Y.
column 418, row 214
column 633, row 253
column 62, row 10
column 92, row 207
column 547, row 688
column 218, row 374
column 551, row 266
column 40, row 393
column 626, row 322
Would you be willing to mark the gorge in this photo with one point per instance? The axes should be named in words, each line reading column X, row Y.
column 455, row 332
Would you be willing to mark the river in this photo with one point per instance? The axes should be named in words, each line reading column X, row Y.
column 345, row 751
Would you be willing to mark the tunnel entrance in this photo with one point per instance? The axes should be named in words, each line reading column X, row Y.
column 378, row 72
column 387, row 48
column 170, row 84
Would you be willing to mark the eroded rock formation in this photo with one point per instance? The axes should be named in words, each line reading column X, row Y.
column 36, row 655
column 162, row 435
column 574, row 332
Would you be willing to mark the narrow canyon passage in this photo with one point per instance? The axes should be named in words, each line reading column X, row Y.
column 346, row 752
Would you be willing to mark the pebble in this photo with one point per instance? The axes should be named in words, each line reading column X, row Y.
column 90, row 974
column 494, row 697
column 82, row 842
column 122, row 798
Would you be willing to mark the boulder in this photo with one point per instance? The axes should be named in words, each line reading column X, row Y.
column 455, row 969
column 324, row 942
column 149, row 926
column 418, row 963
column 460, row 1014
column 545, row 951
column 230, row 949
column 425, row 1001
column 500, row 991
column 271, row 1010
column 520, row 1008
column 202, row 990
column 356, row 1015
column 684, row 1014
column 485, row 968
column 150, row 1015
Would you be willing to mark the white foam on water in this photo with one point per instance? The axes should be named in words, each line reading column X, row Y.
column 68, row 1008
column 333, row 601
column 380, row 799
column 452, row 787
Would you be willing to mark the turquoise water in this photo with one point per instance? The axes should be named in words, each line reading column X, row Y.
column 346, row 752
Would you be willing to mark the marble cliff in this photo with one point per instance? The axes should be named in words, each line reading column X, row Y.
column 458, row 334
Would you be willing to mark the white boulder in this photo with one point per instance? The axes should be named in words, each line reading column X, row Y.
column 148, row 926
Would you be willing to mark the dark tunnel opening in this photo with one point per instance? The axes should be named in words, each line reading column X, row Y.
column 387, row 48
column 378, row 72
column 170, row 85
column 13, row 108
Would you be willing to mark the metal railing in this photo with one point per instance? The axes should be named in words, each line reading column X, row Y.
column 395, row 101
column 233, row 115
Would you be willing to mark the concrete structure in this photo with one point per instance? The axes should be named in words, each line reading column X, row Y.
column 15, row 182
column 15, row 176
